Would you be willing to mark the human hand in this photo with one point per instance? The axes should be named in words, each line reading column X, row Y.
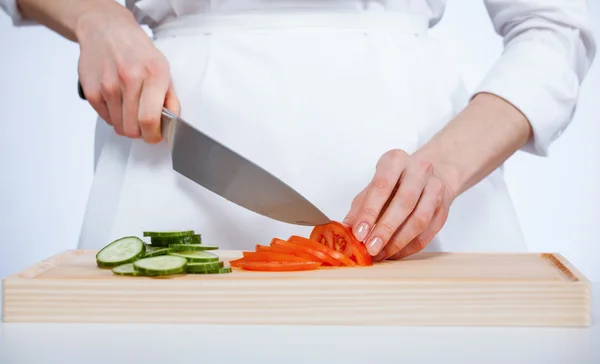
column 406, row 202
column 124, row 76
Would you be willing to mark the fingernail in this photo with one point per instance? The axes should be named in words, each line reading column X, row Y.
column 374, row 246
column 362, row 231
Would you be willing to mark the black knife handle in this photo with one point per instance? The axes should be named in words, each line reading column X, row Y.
column 80, row 91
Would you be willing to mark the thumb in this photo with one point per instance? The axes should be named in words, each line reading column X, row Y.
column 171, row 100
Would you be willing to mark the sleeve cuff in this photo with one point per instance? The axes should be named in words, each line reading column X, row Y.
column 11, row 9
column 538, row 82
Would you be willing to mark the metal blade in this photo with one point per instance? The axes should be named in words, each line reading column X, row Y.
column 233, row 177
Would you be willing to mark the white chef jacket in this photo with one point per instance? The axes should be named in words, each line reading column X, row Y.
column 548, row 48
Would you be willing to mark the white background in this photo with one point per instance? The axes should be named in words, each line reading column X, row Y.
column 46, row 147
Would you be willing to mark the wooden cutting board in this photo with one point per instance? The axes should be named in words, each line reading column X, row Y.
column 469, row 289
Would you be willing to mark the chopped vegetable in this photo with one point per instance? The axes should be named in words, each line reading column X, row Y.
column 161, row 266
column 170, row 253
column 121, row 251
column 278, row 266
column 331, row 245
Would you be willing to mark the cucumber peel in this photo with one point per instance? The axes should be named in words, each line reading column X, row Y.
column 166, row 241
column 196, row 256
column 126, row 270
column 191, row 247
column 168, row 234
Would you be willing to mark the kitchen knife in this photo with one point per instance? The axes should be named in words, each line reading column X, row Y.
column 231, row 176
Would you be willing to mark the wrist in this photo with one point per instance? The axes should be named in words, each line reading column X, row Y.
column 96, row 16
column 476, row 142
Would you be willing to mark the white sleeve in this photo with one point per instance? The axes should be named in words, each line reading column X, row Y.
column 11, row 9
column 548, row 50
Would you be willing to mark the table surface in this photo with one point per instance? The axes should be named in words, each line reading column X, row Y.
column 150, row 343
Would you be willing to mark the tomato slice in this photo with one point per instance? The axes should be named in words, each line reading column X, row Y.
column 333, row 235
column 322, row 248
column 263, row 248
column 340, row 238
column 295, row 249
column 279, row 266
column 274, row 257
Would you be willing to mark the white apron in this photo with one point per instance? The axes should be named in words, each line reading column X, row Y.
column 315, row 96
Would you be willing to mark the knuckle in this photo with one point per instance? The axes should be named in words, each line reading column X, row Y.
column 422, row 240
column 148, row 121
column 155, row 67
column 420, row 222
column 397, row 154
column 109, row 87
column 386, row 229
column 425, row 166
column 409, row 199
column 382, row 183
column 370, row 212
column 130, row 75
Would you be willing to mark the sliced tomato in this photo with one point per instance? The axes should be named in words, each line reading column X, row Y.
column 278, row 248
column 333, row 235
column 322, row 248
column 360, row 254
column 279, row 266
column 296, row 249
column 340, row 238
column 274, row 257
column 263, row 248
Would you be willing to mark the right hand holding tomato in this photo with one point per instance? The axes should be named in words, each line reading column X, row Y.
column 124, row 76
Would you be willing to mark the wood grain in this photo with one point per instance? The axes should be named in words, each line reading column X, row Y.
column 471, row 289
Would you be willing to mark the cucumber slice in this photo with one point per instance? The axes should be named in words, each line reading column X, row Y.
column 225, row 270
column 154, row 251
column 161, row 265
column 190, row 247
column 195, row 256
column 121, row 251
column 168, row 234
column 126, row 270
column 203, row 268
column 166, row 241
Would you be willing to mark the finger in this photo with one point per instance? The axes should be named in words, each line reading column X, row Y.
column 422, row 240
column 387, row 173
column 412, row 186
column 97, row 102
column 152, row 99
column 133, row 82
column 171, row 100
column 354, row 207
column 111, row 94
column 418, row 221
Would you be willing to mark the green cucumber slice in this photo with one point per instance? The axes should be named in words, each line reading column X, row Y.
column 153, row 251
column 121, row 251
column 203, row 268
column 161, row 265
column 225, row 270
column 166, row 241
column 190, row 247
column 126, row 270
column 168, row 234
column 195, row 256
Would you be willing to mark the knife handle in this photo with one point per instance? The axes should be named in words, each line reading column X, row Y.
column 80, row 91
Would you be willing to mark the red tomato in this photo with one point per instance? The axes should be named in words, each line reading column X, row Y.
column 279, row 266
column 294, row 248
column 341, row 239
column 322, row 248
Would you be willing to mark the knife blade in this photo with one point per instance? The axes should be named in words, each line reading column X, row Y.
column 221, row 170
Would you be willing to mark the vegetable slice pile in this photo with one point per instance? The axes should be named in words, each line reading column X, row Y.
column 331, row 245
column 169, row 253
